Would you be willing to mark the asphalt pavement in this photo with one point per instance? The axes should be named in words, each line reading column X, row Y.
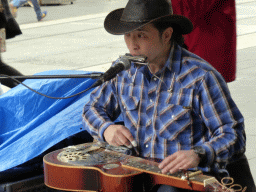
column 72, row 37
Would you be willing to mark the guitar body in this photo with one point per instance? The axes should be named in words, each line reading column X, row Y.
column 72, row 178
column 96, row 167
column 97, row 177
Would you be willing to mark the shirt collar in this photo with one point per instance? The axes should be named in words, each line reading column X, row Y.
column 168, row 63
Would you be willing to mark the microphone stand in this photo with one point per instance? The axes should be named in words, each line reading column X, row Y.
column 127, row 58
column 21, row 78
column 91, row 75
column 136, row 59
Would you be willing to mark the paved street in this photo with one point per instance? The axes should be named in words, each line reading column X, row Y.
column 66, row 10
column 73, row 37
column 68, row 43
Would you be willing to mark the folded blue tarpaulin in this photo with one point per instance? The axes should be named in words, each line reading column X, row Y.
column 30, row 123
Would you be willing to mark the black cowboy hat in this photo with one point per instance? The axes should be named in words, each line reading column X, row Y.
column 138, row 13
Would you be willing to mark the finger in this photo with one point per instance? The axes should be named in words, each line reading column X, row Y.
column 127, row 138
column 114, row 143
column 184, row 164
column 172, row 163
column 179, row 166
column 119, row 143
column 190, row 164
column 166, row 161
column 169, row 168
column 122, row 140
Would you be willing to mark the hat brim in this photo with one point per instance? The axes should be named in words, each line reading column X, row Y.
column 115, row 26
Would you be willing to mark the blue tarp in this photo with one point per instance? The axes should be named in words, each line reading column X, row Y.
column 30, row 123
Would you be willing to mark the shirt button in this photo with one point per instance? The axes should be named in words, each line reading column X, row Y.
column 172, row 116
column 146, row 146
column 154, row 78
column 151, row 100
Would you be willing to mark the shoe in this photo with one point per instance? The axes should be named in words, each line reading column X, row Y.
column 13, row 10
column 44, row 13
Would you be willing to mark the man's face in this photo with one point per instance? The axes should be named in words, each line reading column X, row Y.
column 145, row 41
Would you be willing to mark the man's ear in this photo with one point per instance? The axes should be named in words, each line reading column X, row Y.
column 167, row 34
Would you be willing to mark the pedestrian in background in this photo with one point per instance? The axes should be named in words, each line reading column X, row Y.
column 15, row 4
column 214, row 34
column 9, row 28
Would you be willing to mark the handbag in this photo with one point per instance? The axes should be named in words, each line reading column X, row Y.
column 7, row 21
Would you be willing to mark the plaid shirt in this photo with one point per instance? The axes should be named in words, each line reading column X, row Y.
column 186, row 104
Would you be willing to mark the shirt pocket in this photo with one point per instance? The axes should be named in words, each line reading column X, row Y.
column 174, row 118
column 130, row 106
column 129, row 103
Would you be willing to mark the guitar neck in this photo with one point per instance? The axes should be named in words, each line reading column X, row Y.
column 198, row 181
column 195, row 181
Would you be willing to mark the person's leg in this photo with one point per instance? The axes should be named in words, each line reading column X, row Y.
column 37, row 9
column 241, row 173
column 167, row 188
column 39, row 13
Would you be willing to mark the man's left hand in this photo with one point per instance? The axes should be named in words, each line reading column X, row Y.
column 184, row 160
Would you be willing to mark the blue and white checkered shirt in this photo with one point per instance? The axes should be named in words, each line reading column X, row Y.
column 188, row 104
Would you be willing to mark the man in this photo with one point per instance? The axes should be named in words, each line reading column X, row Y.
column 177, row 107
column 9, row 28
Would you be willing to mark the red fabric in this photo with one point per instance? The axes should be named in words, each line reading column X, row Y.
column 214, row 34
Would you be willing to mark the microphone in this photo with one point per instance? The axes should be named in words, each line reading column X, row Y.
column 122, row 63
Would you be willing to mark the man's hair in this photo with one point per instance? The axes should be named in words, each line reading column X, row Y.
column 177, row 37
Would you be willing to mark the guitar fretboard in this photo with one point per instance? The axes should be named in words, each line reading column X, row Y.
column 148, row 166
column 152, row 168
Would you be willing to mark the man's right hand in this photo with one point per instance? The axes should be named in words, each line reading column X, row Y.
column 118, row 135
